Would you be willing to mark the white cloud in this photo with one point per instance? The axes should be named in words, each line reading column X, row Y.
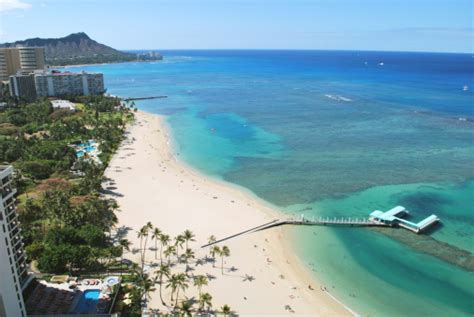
column 6, row 5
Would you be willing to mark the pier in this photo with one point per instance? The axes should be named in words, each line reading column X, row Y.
column 144, row 98
column 377, row 218
column 394, row 217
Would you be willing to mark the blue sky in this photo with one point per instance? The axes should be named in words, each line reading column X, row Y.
column 396, row 25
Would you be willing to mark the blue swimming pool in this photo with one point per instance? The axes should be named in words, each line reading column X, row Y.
column 88, row 302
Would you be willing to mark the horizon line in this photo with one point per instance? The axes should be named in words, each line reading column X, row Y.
column 294, row 49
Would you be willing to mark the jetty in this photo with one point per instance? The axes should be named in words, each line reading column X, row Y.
column 393, row 217
column 377, row 218
column 144, row 98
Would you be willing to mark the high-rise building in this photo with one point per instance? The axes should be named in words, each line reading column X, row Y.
column 23, row 87
column 62, row 84
column 23, row 59
column 56, row 84
column 13, row 266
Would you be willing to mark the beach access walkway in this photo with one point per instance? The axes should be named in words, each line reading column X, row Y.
column 376, row 219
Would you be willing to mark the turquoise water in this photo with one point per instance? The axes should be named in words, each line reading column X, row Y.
column 88, row 147
column 335, row 133
column 88, row 302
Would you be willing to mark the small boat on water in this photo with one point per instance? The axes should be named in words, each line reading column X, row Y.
column 465, row 88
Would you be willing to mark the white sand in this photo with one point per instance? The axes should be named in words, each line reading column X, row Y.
column 150, row 185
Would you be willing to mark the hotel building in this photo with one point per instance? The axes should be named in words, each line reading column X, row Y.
column 20, row 59
column 13, row 266
column 56, row 84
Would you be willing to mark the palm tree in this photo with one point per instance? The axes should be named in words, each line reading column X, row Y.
column 199, row 282
column 186, row 308
column 189, row 254
column 142, row 233
column 178, row 242
column 163, row 271
column 164, row 240
column 205, row 299
column 170, row 250
column 225, row 252
column 177, row 282
column 211, row 239
column 188, row 235
column 156, row 236
column 147, row 288
column 226, row 310
column 125, row 245
column 215, row 250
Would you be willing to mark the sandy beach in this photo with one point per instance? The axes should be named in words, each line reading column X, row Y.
column 150, row 184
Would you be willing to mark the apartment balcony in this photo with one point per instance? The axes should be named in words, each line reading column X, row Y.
column 12, row 217
column 8, row 194
column 18, row 245
column 20, row 257
column 15, row 233
column 6, row 180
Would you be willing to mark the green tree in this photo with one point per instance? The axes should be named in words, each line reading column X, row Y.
column 205, row 300
column 215, row 250
column 170, row 250
column 143, row 235
column 225, row 252
column 188, row 255
column 35, row 250
column 186, row 308
column 188, row 235
column 57, row 206
column 54, row 259
column 211, row 239
column 37, row 169
column 163, row 271
column 177, row 282
column 125, row 245
column 178, row 242
column 155, row 236
column 164, row 240
column 226, row 310
column 200, row 281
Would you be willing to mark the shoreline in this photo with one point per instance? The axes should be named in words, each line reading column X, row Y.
column 212, row 206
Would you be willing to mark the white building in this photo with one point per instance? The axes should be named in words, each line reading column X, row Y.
column 13, row 266
column 41, row 83
column 55, row 84
column 63, row 104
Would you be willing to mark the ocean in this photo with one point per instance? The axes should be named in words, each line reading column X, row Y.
column 336, row 133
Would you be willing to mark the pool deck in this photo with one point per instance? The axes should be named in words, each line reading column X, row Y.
column 59, row 299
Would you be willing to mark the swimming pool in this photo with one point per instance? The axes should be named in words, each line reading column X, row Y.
column 88, row 302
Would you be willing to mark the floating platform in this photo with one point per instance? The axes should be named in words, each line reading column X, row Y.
column 393, row 217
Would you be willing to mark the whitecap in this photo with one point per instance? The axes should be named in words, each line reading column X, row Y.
column 338, row 98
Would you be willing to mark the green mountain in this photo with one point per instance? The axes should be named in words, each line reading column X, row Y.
column 78, row 48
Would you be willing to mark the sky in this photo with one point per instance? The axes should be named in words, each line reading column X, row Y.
column 388, row 25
